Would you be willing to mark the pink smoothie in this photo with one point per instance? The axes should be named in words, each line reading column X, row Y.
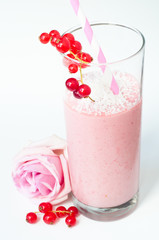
column 103, row 155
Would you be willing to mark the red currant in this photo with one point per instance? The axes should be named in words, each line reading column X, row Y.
column 49, row 217
column 76, row 94
column 54, row 33
column 62, row 213
column 31, row 217
column 63, row 45
column 70, row 221
column 73, row 211
column 54, row 40
column 84, row 90
column 67, row 61
column 44, row 38
column 70, row 55
column 45, row 207
column 72, row 84
column 73, row 68
column 70, row 37
column 84, row 57
column 76, row 47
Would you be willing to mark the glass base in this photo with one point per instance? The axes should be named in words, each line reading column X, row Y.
column 107, row 214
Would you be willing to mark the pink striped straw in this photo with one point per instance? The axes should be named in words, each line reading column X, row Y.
column 91, row 39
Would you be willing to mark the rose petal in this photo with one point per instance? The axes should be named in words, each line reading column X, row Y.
column 48, row 185
column 28, row 153
column 41, row 181
column 55, row 168
column 37, row 167
column 29, row 178
column 23, row 182
column 66, row 188
column 56, row 161
column 43, row 147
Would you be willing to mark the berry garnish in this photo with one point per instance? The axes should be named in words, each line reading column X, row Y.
column 54, row 33
column 76, row 47
column 45, row 207
column 74, row 60
column 76, row 94
column 72, row 84
column 67, row 61
column 73, row 211
column 71, row 55
column 70, row 221
column 70, row 37
column 63, row 45
column 84, row 57
column 31, row 217
column 73, row 68
column 49, row 217
column 54, row 40
column 44, row 38
column 84, row 90
column 61, row 211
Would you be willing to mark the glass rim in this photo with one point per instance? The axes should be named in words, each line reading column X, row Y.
column 78, row 27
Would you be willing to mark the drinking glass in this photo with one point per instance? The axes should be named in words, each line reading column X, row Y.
column 103, row 132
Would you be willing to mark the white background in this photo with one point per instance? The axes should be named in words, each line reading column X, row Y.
column 31, row 85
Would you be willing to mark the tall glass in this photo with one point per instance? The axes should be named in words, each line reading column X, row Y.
column 104, row 136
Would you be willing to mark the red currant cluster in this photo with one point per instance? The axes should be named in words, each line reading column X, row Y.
column 64, row 44
column 51, row 216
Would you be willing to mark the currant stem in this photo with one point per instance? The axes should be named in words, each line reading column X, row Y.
column 56, row 211
column 81, row 74
column 61, row 211
column 80, row 68
column 91, row 99
column 77, row 58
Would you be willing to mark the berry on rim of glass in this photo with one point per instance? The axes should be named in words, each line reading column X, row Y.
column 84, row 90
column 84, row 57
column 76, row 47
column 61, row 211
column 67, row 59
column 76, row 94
column 31, row 217
column 71, row 55
column 63, row 45
column 70, row 37
column 44, row 38
column 73, row 211
column 70, row 221
column 73, row 68
column 45, row 207
column 54, row 33
column 49, row 218
column 72, row 84
column 54, row 40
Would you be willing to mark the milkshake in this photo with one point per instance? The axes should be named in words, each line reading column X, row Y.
column 103, row 130
column 103, row 147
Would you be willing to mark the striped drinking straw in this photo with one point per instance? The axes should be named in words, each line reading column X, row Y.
column 93, row 42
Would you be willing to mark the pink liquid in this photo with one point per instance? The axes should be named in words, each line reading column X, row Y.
column 104, row 155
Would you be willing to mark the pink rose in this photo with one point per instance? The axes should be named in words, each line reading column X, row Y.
column 41, row 170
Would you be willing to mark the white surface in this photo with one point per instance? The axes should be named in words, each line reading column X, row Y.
column 31, row 108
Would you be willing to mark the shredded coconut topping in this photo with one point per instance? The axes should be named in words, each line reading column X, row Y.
column 106, row 102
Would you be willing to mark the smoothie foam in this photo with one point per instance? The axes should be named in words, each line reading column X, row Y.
column 103, row 143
